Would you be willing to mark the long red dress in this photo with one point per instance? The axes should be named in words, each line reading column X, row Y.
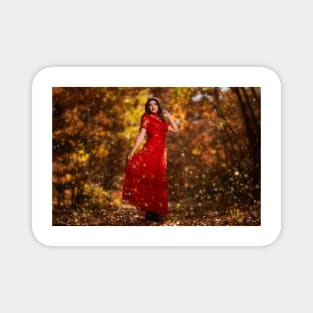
column 145, row 182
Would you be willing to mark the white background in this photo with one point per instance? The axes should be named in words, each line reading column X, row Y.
column 262, row 235
column 36, row 34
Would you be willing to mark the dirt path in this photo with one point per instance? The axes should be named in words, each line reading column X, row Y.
column 126, row 215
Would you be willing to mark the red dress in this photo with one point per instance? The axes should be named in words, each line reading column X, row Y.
column 145, row 182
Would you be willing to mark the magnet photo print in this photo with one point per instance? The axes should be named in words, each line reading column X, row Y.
column 156, row 156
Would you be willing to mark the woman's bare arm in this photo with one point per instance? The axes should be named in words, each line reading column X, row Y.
column 139, row 139
column 173, row 127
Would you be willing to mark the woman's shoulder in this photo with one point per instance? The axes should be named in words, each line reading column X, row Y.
column 145, row 115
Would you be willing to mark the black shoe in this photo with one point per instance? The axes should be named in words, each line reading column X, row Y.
column 149, row 216
column 156, row 217
column 153, row 216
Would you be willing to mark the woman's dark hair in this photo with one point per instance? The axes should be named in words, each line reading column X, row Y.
column 160, row 111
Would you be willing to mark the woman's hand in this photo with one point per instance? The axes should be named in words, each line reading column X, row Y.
column 172, row 127
column 139, row 139
column 166, row 113
column 130, row 155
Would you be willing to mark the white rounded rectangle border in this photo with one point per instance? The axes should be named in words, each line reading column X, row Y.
column 149, row 76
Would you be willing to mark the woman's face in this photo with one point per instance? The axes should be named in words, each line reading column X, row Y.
column 153, row 106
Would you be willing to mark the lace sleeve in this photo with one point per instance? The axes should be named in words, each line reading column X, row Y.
column 144, row 121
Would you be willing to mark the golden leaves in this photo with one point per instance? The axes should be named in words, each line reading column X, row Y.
column 196, row 151
column 101, row 151
column 83, row 157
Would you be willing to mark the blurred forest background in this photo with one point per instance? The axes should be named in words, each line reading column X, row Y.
column 213, row 165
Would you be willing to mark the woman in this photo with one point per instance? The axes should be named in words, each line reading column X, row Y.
column 145, row 183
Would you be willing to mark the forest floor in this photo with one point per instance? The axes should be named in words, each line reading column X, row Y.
column 243, row 214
